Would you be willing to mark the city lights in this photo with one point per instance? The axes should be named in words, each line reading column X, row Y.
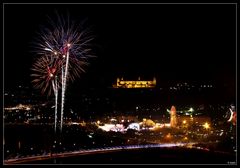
column 191, row 109
column 206, row 126
column 112, row 84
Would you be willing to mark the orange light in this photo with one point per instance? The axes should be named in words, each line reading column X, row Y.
column 206, row 126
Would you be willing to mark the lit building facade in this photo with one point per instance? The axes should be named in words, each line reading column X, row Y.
column 135, row 84
column 173, row 117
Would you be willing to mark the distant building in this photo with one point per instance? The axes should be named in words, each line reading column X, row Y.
column 173, row 117
column 135, row 84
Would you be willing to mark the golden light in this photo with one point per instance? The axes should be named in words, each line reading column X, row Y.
column 98, row 122
column 184, row 121
column 168, row 135
column 206, row 126
column 135, row 84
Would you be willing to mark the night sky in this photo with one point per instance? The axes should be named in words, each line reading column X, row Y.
column 172, row 42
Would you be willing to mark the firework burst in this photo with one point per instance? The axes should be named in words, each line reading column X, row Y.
column 64, row 37
column 64, row 49
column 45, row 71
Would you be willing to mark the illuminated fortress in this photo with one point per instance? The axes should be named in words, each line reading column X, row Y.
column 135, row 84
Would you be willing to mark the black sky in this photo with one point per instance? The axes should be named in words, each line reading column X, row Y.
column 170, row 41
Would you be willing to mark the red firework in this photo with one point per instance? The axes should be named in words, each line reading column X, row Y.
column 45, row 72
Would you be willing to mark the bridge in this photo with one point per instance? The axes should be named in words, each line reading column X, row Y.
column 25, row 160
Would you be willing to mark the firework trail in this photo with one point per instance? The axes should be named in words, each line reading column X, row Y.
column 69, row 45
column 55, row 86
column 45, row 73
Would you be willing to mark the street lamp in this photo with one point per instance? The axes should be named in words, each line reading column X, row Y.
column 206, row 126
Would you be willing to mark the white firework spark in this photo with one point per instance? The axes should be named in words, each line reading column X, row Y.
column 69, row 45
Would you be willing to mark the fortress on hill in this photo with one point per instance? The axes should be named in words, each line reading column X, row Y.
column 135, row 84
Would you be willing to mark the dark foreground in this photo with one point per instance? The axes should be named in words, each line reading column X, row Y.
column 147, row 156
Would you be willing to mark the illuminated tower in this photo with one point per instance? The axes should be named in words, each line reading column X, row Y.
column 118, row 80
column 173, row 117
column 154, row 81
